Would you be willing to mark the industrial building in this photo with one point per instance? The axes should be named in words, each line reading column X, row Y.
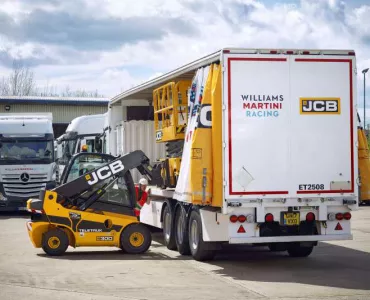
column 64, row 109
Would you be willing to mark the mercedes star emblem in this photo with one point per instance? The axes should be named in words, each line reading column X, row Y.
column 25, row 177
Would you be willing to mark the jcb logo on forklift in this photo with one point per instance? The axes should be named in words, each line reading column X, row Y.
column 105, row 172
column 319, row 106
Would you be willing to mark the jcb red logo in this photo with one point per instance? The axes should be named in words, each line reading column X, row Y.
column 320, row 106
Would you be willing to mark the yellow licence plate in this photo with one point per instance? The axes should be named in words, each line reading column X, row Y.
column 291, row 219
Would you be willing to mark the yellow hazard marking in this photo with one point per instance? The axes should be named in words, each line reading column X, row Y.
column 87, row 177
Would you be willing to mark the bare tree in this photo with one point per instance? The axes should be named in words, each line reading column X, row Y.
column 20, row 82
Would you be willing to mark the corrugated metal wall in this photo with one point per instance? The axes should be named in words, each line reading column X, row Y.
column 62, row 113
column 139, row 135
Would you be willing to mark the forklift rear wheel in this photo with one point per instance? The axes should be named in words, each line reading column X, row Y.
column 55, row 242
column 136, row 239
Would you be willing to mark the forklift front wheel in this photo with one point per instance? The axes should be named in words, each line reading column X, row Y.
column 136, row 239
column 55, row 242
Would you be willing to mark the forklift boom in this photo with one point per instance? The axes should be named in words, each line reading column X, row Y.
column 122, row 164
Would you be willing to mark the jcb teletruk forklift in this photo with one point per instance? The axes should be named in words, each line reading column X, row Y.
column 93, row 206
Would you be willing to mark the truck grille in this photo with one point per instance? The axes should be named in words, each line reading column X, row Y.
column 13, row 186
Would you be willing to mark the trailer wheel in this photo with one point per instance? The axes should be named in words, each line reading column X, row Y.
column 136, row 239
column 295, row 250
column 55, row 242
column 198, row 247
column 168, row 236
column 181, row 231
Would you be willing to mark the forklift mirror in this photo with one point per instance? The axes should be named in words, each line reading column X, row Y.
column 98, row 144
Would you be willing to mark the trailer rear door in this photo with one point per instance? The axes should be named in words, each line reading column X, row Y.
column 290, row 126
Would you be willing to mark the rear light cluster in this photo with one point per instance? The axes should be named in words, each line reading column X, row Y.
column 339, row 216
column 242, row 218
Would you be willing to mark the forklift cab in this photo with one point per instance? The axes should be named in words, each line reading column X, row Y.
column 119, row 196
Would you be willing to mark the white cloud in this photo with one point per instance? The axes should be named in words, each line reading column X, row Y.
column 226, row 23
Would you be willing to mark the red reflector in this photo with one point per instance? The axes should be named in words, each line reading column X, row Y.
column 310, row 216
column 351, row 53
column 226, row 51
column 338, row 227
column 289, row 52
column 273, row 52
column 242, row 218
column 233, row 219
column 241, row 229
column 306, row 52
column 269, row 218
column 339, row 216
column 347, row 216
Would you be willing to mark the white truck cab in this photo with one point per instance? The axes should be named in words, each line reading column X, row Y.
column 26, row 158
column 81, row 131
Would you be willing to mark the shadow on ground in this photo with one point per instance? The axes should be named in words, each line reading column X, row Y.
column 14, row 215
column 328, row 266
column 107, row 255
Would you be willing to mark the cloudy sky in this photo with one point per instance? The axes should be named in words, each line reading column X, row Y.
column 112, row 45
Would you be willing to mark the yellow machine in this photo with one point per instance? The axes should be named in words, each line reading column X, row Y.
column 170, row 117
column 94, row 206
column 364, row 167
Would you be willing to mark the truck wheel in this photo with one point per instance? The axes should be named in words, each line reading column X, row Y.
column 181, row 231
column 197, row 245
column 277, row 247
column 136, row 239
column 295, row 250
column 55, row 242
column 168, row 236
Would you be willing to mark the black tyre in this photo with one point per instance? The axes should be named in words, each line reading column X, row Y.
column 181, row 231
column 168, row 229
column 295, row 250
column 277, row 247
column 198, row 247
column 55, row 242
column 136, row 239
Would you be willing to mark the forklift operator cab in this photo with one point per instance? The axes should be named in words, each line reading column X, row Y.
column 93, row 206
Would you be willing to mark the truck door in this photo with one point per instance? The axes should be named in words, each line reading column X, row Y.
column 323, row 126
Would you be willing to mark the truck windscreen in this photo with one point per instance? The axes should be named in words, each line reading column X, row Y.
column 26, row 152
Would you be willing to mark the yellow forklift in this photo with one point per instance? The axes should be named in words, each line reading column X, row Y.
column 93, row 206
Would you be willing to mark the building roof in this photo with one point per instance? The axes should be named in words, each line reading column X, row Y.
column 53, row 100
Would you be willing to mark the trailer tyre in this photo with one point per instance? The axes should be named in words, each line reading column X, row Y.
column 136, row 239
column 181, row 231
column 168, row 230
column 55, row 242
column 198, row 247
column 295, row 250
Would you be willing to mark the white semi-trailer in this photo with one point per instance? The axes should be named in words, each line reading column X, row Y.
column 26, row 158
column 269, row 150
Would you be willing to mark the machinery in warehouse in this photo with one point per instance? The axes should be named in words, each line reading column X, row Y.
column 170, row 117
column 94, row 206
